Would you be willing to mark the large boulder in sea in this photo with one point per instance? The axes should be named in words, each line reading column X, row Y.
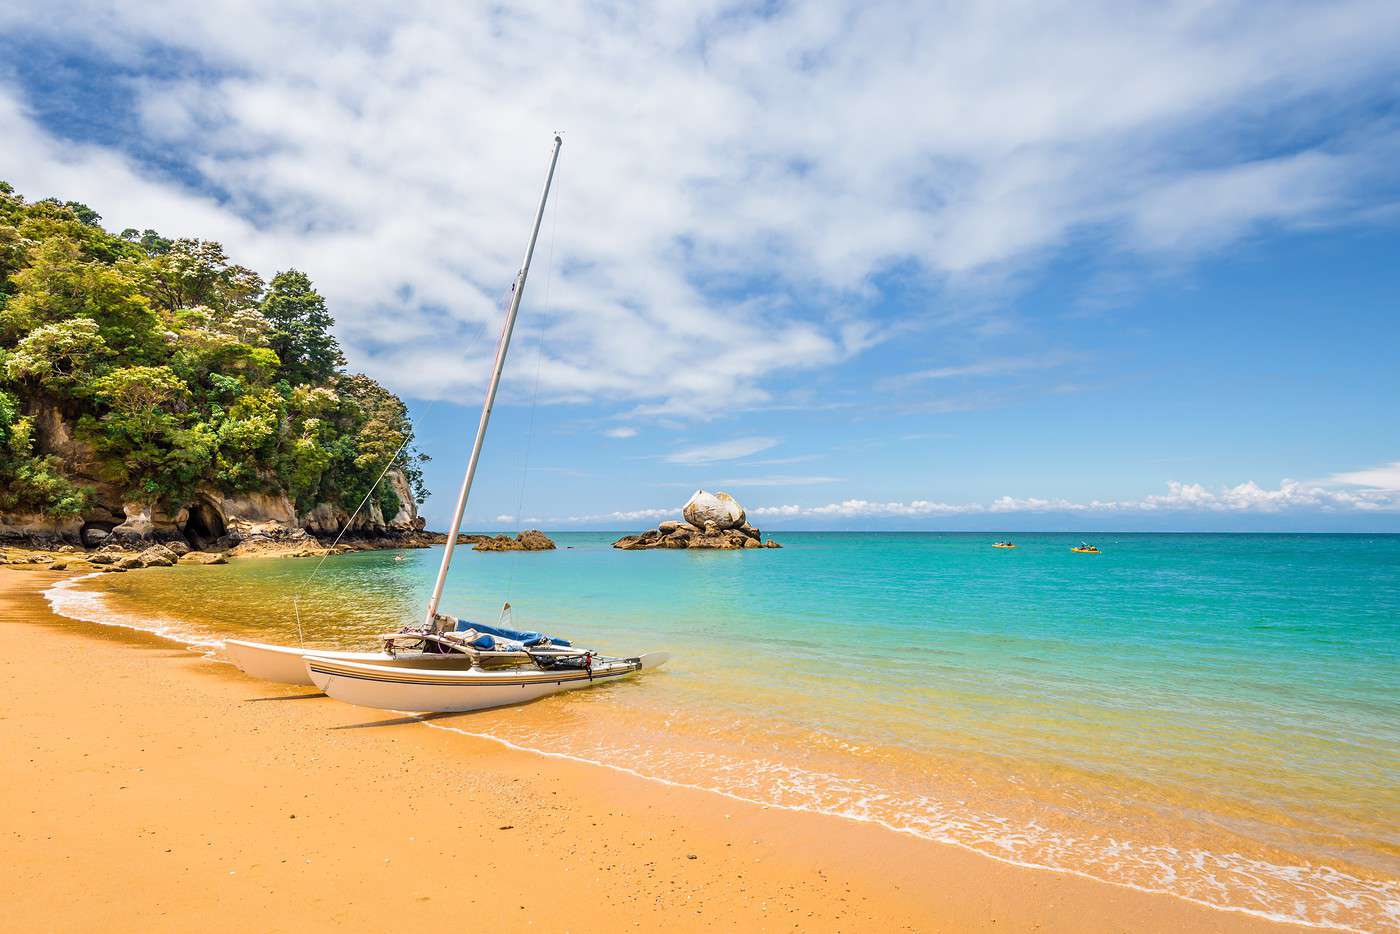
column 718, row 508
column 712, row 520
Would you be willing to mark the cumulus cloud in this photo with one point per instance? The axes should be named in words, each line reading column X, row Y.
column 622, row 431
column 735, row 177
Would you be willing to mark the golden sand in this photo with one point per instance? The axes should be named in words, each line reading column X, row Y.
column 148, row 788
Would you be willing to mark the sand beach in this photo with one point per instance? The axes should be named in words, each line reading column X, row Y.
column 150, row 788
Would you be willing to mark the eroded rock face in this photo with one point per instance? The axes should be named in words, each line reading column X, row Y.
column 718, row 508
column 257, row 507
column 145, row 523
column 138, row 526
column 27, row 527
column 407, row 516
column 209, row 520
column 324, row 519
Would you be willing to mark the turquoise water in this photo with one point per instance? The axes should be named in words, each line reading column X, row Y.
column 1217, row 716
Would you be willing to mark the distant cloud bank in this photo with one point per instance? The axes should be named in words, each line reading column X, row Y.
column 1184, row 498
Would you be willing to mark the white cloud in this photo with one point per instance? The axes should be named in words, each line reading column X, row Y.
column 790, row 155
column 778, row 480
column 732, row 449
column 1180, row 497
column 1385, row 477
column 632, row 515
column 395, row 152
column 777, row 461
column 994, row 366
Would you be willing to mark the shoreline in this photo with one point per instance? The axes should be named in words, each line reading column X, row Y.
column 669, row 852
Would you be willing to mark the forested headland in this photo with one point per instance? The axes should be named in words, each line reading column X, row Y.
column 153, row 388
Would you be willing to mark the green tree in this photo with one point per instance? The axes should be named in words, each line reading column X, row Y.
column 247, row 439
column 63, row 358
column 150, row 241
column 142, row 437
column 301, row 334
column 9, row 414
column 13, row 252
column 60, row 284
column 196, row 272
column 49, row 220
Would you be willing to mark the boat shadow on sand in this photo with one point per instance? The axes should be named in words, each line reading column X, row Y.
column 561, row 715
column 407, row 719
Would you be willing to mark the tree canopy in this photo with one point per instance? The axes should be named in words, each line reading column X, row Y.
column 178, row 368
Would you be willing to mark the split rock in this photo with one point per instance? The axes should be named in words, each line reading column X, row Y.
column 720, row 508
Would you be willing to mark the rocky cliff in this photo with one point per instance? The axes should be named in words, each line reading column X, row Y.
column 210, row 520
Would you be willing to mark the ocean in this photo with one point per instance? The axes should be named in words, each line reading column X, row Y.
column 1214, row 716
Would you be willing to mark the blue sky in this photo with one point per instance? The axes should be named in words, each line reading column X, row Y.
column 864, row 266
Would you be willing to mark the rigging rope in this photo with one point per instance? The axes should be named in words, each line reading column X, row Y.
column 539, row 367
column 296, row 597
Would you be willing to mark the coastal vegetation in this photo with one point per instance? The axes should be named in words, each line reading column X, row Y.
column 141, row 372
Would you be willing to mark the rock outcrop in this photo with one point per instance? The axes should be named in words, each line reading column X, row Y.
column 712, row 520
column 157, row 556
column 528, row 540
column 204, row 557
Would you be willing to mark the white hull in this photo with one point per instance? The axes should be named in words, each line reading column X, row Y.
column 286, row 664
column 425, row 690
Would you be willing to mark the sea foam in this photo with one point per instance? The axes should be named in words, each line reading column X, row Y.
column 68, row 598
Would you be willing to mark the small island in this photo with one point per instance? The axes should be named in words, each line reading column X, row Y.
column 528, row 540
column 712, row 520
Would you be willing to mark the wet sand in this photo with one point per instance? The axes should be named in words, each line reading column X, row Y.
column 148, row 788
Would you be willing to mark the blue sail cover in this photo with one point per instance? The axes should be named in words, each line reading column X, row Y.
column 528, row 639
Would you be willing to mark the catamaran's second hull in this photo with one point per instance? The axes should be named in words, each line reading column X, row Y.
column 425, row 690
column 285, row 664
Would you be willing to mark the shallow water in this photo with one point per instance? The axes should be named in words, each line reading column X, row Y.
column 1217, row 716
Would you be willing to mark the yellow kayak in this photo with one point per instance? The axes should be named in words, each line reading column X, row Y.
column 1086, row 550
column 1003, row 545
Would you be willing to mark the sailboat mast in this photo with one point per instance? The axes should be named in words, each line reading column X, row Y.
column 490, row 400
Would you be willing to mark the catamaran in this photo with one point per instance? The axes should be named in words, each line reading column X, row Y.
column 445, row 663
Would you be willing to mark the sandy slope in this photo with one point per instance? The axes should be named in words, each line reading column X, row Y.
column 146, row 788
